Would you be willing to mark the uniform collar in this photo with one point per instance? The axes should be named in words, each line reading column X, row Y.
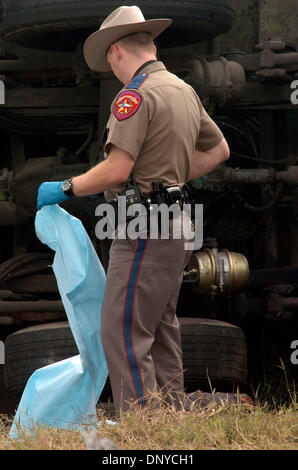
column 150, row 67
column 143, row 66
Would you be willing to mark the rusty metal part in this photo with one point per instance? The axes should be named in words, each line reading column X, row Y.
column 5, row 321
column 59, row 97
column 35, row 171
column 176, row 63
column 290, row 176
column 10, row 214
column 5, row 294
column 277, row 303
column 204, row 266
column 253, row 176
column 294, row 228
column 217, row 179
column 222, row 80
column 220, row 271
column 29, row 263
column 263, row 176
column 269, row 205
column 273, row 276
column 259, row 95
column 251, row 62
column 87, row 142
column 30, row 306
column 20, row 318
column 35, row 284
column 4, row 176
column 271, row 58
column 235, row 273
column 282, row 289
column 26, row 58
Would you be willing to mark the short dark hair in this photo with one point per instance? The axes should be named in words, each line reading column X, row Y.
column 137, row 42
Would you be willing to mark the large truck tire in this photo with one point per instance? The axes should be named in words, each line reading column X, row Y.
column 34, row 347
column 213, row 351
column 43, row 23
column 214, row 354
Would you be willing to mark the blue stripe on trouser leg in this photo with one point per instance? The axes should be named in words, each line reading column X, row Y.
column 128, row 319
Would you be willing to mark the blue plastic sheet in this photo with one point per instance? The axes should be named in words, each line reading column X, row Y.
column 64, row 394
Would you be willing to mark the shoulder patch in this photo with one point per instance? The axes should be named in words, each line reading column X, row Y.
column 126, row 105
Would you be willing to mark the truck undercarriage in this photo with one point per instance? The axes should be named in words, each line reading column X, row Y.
column 239, row 300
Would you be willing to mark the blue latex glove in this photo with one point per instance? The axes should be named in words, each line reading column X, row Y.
column 51, row 193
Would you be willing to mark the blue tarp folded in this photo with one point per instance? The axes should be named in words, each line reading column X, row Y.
column 64, row 394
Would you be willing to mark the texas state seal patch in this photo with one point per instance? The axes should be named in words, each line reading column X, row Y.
column 127, row 104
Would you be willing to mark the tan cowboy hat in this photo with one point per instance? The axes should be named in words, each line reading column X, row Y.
column 121, row 22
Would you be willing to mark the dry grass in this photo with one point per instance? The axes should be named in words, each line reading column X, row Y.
column 217, row 427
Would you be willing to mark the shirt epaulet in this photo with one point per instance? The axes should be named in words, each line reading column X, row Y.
column 137, row 81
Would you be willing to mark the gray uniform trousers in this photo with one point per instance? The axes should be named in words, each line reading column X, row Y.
column 140, row 330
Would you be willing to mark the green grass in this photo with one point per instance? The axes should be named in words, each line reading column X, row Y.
column 270, row 424
column 238, row 427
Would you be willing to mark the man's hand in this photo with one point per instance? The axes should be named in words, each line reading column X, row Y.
column 50, row 193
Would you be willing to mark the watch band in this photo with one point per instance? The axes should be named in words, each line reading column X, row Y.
column 67, row 187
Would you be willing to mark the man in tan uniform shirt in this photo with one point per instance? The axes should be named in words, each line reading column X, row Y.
column 168, row 126
column 159, row 129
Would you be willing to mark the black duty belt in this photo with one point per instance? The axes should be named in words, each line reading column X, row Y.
column 168, row 196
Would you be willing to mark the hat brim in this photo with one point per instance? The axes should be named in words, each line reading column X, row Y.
column 97, row 43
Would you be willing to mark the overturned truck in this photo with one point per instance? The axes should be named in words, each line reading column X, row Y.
column 239, row 299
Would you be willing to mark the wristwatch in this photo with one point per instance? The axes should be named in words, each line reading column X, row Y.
column 67, row 187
